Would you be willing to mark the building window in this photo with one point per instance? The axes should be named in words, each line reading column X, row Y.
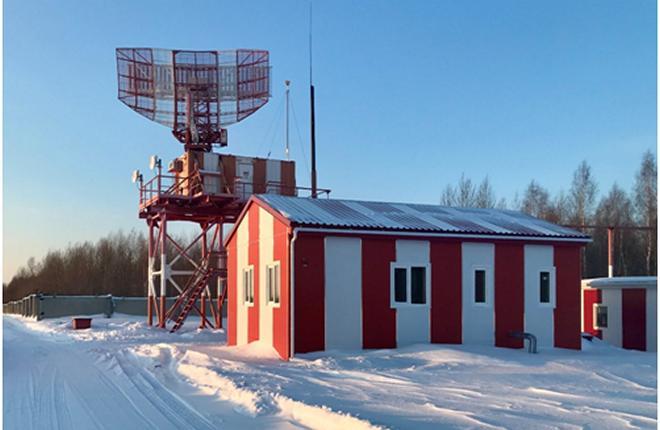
column 600, row 312
column 418, row 285
column 400, row 284
column 544, row 287
column 248, row 286
column 273, row 283
column 480, row 286
column 409, row 284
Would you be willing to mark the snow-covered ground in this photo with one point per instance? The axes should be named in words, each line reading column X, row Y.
column 120, row 375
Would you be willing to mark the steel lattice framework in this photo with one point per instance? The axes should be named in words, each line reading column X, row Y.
column 194, row 93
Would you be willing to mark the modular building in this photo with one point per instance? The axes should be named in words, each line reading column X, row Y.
column 622, row 311
column 321, row 274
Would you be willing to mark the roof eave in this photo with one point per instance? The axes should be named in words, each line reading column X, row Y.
column 435, row 233
column 254, row 199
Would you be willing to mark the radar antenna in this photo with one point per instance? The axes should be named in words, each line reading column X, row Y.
column 194, row 93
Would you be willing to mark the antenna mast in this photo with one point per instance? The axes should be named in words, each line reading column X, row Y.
column 311, row 101
column 286, row 148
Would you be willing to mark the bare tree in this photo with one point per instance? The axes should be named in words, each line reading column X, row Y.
column 646, row 205
column 536, row 200
column 465, row 192
column 467, row 195
column 582, row 195
column 485, row 197
column 557, row 210
column 616, row 209
column 448, row 197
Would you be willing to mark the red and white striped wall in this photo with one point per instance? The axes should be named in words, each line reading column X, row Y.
column 259, row 241
column 340, row 296
column 343, row 293
column 630, row 305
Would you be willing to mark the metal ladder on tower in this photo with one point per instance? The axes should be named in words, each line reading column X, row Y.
column 191, row 293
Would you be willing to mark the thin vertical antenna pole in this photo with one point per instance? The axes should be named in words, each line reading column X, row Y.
column 310, row 44
column 610, row 258
column 286, row 148
column 311, row 101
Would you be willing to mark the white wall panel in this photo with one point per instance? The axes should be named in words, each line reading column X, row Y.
column 343, row 293
column 265, row 259
column 613, row 333
column 539, row 317
column 413, row 322
column 242, row 242
column 211, row 164
column 651, row 319
column 273, row 174
column 478, row 318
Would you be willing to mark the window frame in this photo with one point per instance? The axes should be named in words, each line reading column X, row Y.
column 249, row 270
column 553, row 287
column 488, row 285
column 595, row 316
column 276, row 268
column 427, row 285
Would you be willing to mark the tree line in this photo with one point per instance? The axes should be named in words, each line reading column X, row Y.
column 117, row 264
column 634, row 250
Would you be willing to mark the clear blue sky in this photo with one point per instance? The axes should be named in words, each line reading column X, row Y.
column 409, row 96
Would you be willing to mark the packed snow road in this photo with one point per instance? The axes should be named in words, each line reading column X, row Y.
column 54, row 381
column 121, row 375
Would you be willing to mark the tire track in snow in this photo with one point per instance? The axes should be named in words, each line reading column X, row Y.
column 168, row 403
column 54, row 385
column 62, row 412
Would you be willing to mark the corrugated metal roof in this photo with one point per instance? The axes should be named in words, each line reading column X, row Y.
column 354, row 214
column 622, row 282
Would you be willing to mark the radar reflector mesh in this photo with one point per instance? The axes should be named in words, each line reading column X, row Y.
column 213, row 88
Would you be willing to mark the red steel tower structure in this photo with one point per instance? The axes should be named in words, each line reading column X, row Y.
column 196, row 94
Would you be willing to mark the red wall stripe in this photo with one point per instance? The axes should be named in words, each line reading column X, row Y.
column 589, row 299
column 232, row 292
column 309, row 294
column 633, row 315
column 281, row 326
column 378, row 318
column 567, row 312
column 446, row 292
column 509, row 294
column 253, row 259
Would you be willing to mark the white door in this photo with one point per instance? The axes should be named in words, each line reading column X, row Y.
column 343, row 293
column 540, row 293
column 478, row 293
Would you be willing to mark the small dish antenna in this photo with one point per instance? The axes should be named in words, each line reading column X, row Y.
column 136, row 176
column 154, row 162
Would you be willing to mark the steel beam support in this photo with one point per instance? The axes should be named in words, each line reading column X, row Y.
column 222, row 279
column 150, row 275
column 163, row 270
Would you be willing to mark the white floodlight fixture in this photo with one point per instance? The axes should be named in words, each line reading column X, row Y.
column 154, row 162
column 136, row 176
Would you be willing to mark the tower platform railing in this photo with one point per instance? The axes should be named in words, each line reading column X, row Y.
column 168, row 186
